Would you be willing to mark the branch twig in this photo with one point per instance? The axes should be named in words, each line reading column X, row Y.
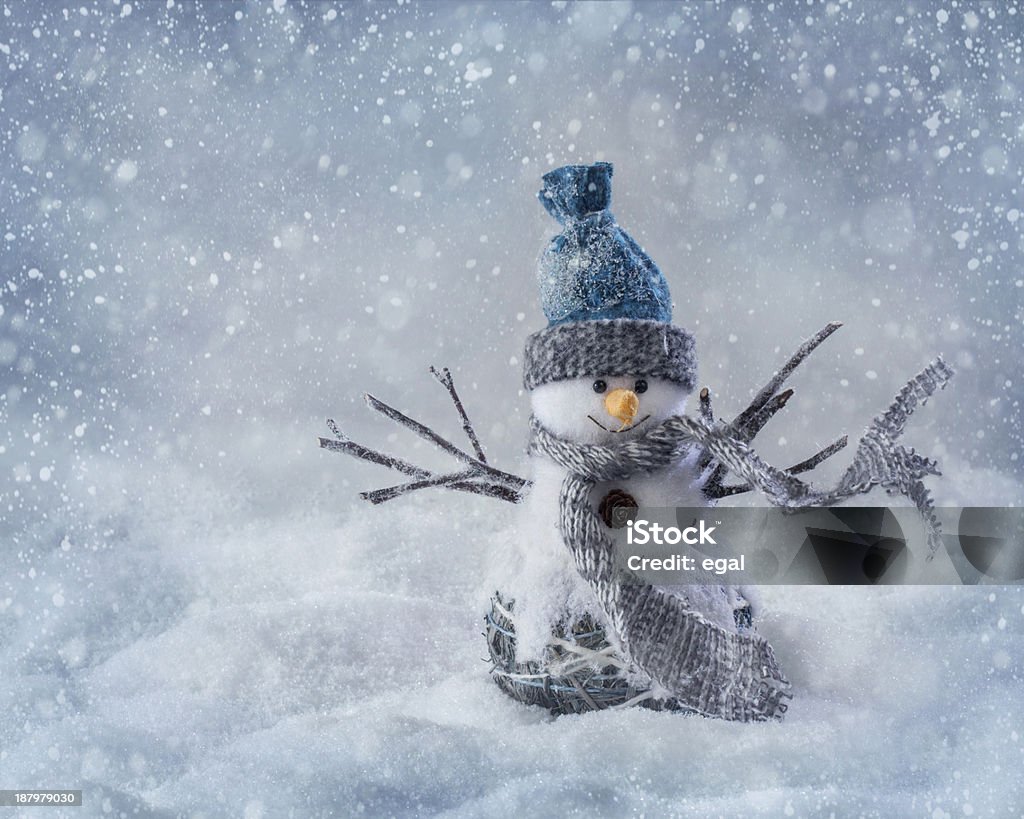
column 765, row 404
column 493, row 490
column 445, row 377
column 442, row 443
column 810, row 463
column 776, row 381
column 381, row 495
column 747, row 433
column 763, row 415
column 806, row 465
column 706, row 415
column 371, row 455
column 478, row 477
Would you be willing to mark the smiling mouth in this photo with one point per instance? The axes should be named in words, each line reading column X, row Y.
column 613, row 431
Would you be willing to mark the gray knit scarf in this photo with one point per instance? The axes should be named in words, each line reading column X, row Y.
column 715, row 671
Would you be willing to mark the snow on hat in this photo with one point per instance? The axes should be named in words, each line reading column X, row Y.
column 606, row 301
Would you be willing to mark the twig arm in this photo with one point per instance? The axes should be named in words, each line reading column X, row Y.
column 707, row 416
column 442, row 443
column 812, row 462
column 776, row 381
column 477, row 476
column 423, row 431
column 374, row 457
column 720, row 491
column 760, row 418
column 765, row 405
column 445, row 378
column 381, row 495
column 492, row 490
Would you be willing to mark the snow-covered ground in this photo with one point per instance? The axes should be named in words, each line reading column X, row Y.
column 326, row 664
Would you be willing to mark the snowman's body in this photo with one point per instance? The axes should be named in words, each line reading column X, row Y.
column 549, row 587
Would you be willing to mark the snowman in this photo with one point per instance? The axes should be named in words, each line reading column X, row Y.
column 609, row 380
column 607, row 369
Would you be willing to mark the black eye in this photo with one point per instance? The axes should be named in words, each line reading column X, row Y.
column 640, row 387
column 600, row 386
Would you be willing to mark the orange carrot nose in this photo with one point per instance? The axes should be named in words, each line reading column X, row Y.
column 623, row 405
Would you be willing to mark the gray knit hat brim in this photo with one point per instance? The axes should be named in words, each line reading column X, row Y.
column 610, row 347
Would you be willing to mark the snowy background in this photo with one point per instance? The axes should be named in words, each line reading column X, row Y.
column 221, row 223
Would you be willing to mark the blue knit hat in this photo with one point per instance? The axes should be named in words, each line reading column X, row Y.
column 593, row 269
column 607, row 303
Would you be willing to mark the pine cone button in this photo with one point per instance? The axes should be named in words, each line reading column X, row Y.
column 617, row 508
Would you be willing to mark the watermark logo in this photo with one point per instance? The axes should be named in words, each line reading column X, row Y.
column 641, row 532
column 867, row 545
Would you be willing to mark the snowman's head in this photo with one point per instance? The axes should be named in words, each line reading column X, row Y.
column 608, row 380
column 608, row 408
column 610, row 365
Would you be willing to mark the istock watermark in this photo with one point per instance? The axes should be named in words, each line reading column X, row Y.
column 642, row 532
column 860, row 545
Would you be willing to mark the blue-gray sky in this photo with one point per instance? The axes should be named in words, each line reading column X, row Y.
column 222, row 223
